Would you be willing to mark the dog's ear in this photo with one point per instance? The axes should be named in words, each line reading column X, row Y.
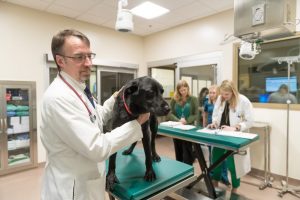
column 132, row 87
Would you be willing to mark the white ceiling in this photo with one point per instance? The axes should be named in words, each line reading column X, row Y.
column 104, row 12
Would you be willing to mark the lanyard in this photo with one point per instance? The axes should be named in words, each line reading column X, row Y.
column 92, row 117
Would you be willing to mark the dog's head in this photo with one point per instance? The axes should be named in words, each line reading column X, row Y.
column 145, row 95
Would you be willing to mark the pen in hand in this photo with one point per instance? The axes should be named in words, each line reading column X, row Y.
column 212, row 126
column 227, row 128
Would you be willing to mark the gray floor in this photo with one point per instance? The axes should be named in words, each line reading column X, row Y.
column 26, row 185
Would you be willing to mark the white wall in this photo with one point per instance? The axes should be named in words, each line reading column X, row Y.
column 26, row 36
column 198, row 37
column 204, row 36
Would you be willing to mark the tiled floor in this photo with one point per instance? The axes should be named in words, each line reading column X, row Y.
column 26, row 185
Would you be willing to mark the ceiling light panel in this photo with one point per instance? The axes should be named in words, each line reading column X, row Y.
column 149, row 10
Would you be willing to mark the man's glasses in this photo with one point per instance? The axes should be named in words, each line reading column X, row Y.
column 81, row 57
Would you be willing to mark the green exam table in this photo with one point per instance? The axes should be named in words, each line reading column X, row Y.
column 171, row 175
column 231, row 144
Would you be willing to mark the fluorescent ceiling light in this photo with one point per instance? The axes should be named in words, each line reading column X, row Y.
column 149, row 10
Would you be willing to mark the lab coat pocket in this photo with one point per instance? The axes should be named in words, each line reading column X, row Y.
column 242, row 163
column 95, row 189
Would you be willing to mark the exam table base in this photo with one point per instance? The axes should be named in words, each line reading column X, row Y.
column 193, row 194
column 163, row 193
column 211, row 192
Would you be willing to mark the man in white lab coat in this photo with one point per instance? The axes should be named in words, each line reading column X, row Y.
column 72, row 126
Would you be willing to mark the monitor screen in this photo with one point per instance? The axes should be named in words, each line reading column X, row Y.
column 273, row 83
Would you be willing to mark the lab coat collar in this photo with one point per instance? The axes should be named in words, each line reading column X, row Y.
column 77, row 85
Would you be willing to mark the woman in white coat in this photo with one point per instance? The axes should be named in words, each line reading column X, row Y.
column 232, row 112
column 72, row 126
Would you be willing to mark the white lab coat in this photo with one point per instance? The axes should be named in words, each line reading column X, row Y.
column 76, row 147
column 242, row 115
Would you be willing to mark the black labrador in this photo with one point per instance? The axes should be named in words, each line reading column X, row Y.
column 139, row 96
column 153, row 124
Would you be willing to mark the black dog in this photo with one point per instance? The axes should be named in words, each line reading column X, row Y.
column 153, row 124
column 138, row 96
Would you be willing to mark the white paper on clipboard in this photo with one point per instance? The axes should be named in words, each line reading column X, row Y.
column 177, row 125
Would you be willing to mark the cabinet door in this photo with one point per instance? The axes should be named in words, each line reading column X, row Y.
column 18, row 125
column 19, row 130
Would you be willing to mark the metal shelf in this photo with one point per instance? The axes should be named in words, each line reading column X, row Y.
column 18, row 148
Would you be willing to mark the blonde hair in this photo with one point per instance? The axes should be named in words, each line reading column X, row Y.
column 177, row 95
column 229, row 86
column 213, row 87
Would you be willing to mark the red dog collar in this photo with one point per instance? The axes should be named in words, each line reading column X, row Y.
column 126, row 106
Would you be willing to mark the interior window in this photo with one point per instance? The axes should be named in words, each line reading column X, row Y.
column 265, row 80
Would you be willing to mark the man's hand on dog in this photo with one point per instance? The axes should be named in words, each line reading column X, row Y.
column 117, row 92
column 143, row 118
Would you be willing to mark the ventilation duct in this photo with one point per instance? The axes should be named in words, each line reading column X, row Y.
column 256, row 20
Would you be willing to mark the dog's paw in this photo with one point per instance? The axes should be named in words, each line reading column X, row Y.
column 156, row 158
column 127, row 152
column 150, row 175
column 111, row 180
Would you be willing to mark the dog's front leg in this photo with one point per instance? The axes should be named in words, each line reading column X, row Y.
column 150, row 174
column 129, row 150
column 111, row 177
column 153, row 129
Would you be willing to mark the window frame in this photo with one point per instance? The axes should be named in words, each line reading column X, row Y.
column 236, row 47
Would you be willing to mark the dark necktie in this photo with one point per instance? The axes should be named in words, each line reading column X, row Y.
column 89, row 95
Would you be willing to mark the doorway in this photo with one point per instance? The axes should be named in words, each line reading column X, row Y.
column 199, row 76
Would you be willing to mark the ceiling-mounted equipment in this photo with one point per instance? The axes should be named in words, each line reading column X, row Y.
column 249, row 50
column 264, row 19
column 124, row 18
column 258, row 20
